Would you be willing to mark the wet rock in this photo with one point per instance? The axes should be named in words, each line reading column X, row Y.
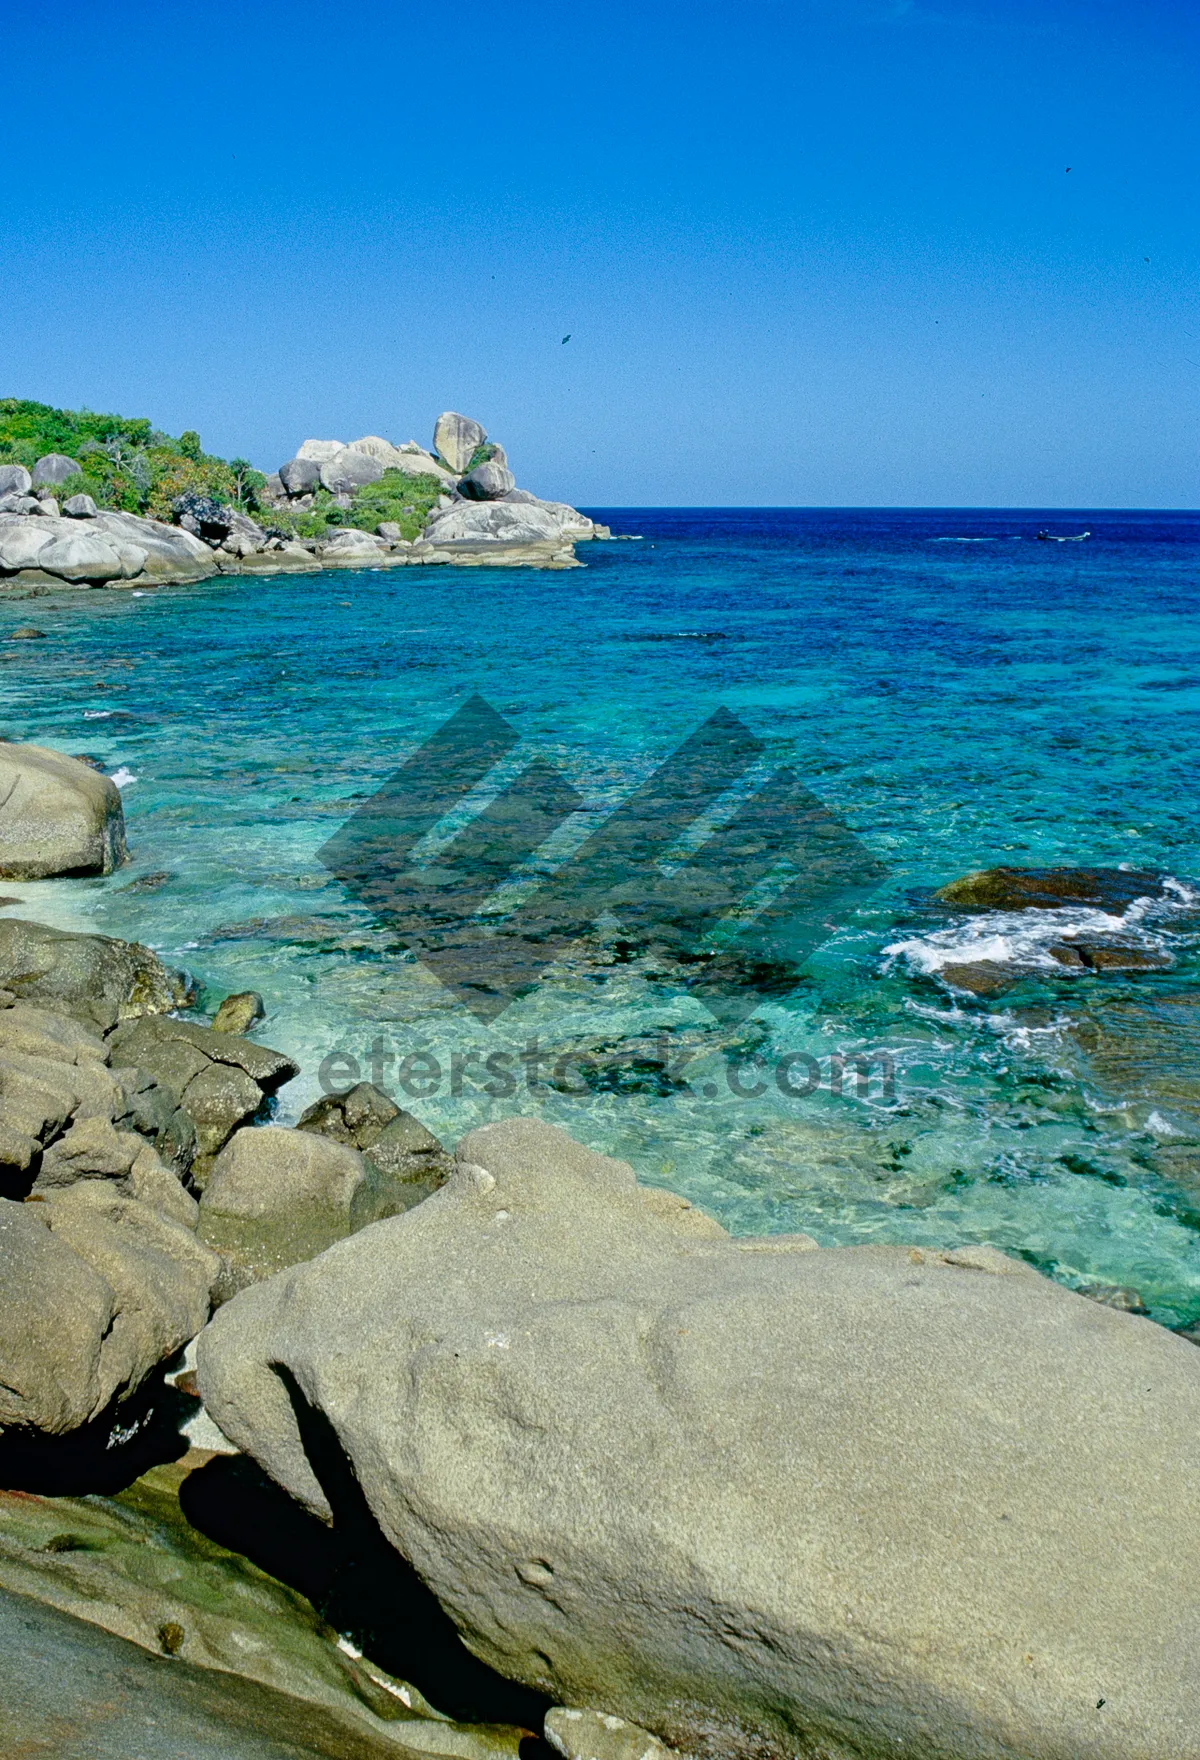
column 1113, row 1295
column 586, row 1431
column 239, row 1012
column 27, row 633
column 1043, row 889
column 355, row 1117
column 405, row 1162
column 980, row 977
column 96, row 978
column 256, row 1673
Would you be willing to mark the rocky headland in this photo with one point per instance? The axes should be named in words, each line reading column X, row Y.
column 361, row 504
column 379, row 1448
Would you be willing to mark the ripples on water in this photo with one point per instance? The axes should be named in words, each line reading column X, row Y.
column 961, row 704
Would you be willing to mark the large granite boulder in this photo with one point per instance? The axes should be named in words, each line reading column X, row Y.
column 98, row 1290
column 320, row 450
column 94, row 978
column 762, row 1500
column 352, row 548
column 492, row 521
column 488, row 482
column 168, row 553
column 57, row 816
column 348, row 470
column 271, row 1172
column 456, row 440
column 84, row 557
column 23, row 537
column 14, row 480
column 55, row 468
column 79, row 507
column 300, row 476
column 572, row 524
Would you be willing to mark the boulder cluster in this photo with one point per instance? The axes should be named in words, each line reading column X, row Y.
column 50, row 537
column 480, row 508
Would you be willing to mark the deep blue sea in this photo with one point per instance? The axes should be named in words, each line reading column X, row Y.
column 960, row 694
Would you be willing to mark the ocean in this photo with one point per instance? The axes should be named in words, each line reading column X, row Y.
column 957, row 693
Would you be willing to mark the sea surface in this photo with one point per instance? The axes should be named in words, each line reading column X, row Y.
column 959, row 694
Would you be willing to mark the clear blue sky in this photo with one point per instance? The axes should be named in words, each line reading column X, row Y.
column 806, row 252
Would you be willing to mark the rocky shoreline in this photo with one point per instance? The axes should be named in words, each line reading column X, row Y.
column 475, row 516
column 381, row 1448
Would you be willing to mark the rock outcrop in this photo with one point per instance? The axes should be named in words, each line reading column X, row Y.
column 57, row 816
column 761, row 1499
column 111, row 548
column 94, row 978
column 456, row 440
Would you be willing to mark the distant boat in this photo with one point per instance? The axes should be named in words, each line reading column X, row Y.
column 1071, row 538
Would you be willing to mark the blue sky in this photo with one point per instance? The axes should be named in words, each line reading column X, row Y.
column 806, row 253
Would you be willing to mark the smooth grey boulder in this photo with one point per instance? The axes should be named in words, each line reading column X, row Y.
column 15, row 480
column 267, row 1171
column 571, row 523
column 80, row 507
column 84, row 556
column 22, row 540
column 348, row 470
column 598, row 1735
column 300, row 476
column 405, row 1163
column 484, row 521
column 168, row 552
column 57, row 816
column 55, row 468
column 94, row 978
column 487, row 482
column 98, row 1289
column 456, row 439
column 759, row 1499
column 48, row 505
column 320, row 450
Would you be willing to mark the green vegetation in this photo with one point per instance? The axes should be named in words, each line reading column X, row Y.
column 126, row 463
column 403, row 499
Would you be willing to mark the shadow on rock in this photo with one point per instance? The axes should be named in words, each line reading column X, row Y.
column 351, row 1574
column 105, row 1456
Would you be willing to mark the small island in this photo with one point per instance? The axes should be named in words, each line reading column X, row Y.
column 92, row 500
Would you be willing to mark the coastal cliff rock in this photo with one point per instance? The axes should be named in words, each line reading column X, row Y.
column 57, row 816
column 121, row 548
column 762, row 1500
column 94, row 978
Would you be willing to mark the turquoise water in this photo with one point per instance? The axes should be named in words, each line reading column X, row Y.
column 961, row 694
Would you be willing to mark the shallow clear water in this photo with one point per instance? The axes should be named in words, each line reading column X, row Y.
column 960, row 703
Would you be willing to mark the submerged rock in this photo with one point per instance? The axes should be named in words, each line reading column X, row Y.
column 57, row 816
column 853, row 1501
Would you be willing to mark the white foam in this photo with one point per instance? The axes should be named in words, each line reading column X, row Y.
column 123, row 777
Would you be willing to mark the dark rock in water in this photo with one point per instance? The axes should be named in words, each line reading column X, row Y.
column 27, row 634
column 1147, row 1051
column 1119, row 956
column 149, row 882
column 239, row 1012
column 981, row 977
column 356, row 1117
column 1113, row 1295
column 1047, row 889
column 95, row 978
column 219, row 1079
column 405, row 1162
